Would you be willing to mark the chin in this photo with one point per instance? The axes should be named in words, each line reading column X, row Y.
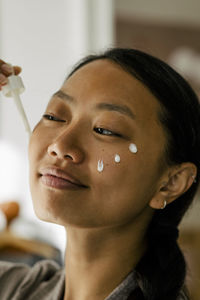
column 42, row 213
column 45, row 208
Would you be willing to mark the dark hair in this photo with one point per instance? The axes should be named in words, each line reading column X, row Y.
column 161, row 271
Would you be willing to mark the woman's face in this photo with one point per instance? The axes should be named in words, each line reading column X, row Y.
column 98, row 112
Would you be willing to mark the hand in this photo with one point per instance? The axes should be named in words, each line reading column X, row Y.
column 5, row 71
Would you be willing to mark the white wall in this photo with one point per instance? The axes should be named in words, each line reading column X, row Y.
column 44, row 37
column 183, row 12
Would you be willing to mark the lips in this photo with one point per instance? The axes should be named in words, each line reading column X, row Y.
column 58, row 178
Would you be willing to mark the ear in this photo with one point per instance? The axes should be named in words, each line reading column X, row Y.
column 173, row 184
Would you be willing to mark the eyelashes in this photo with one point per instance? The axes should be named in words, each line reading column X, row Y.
column 52, row 118
column 106, row 132
column 98, row 130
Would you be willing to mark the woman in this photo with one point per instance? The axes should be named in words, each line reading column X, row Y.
column 115, row 160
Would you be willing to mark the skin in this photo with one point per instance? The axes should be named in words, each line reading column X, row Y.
column 107, row 221
column 115, row 190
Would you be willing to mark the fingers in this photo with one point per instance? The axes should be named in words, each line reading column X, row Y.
column 2, row 62
column 6, row 70
column 3, row 80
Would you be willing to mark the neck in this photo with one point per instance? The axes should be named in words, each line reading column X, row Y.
column 97, row 260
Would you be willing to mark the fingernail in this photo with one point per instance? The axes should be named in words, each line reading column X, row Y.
column 7, row 68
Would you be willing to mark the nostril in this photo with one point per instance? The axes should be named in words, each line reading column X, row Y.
column 61, row 151
column 68, row 156
column 53, row 153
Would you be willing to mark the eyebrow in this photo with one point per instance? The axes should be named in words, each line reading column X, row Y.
column 63, row 96
column 123, row 109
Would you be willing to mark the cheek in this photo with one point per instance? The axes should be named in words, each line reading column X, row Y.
column 109, row 162
column 36, row 153
column 38, row 143
column 106, row 163
column 116, row 189
column 111, row 169
column 33, row 151
column 126, row 174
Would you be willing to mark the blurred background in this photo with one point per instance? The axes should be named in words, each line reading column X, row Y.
column 46, row 38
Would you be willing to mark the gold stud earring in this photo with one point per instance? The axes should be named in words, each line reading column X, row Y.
column 164, row 204
column 194, row 178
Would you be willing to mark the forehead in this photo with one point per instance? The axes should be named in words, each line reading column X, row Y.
column 103, row 79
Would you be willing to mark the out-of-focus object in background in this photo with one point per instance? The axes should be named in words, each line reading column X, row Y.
column 15, row 247
column 187, row 61
column 10, row 210
column 3, row 221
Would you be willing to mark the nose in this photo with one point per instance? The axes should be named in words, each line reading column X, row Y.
column 66, row 147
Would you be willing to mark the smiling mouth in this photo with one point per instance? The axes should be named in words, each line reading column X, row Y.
column 60, row 183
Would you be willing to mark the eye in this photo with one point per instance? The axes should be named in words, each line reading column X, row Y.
column 52, row 118
column 104, row 131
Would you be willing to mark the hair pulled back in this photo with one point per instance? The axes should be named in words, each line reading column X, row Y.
column 162, row 269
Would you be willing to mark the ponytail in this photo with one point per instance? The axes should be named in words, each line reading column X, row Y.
column 162, row 269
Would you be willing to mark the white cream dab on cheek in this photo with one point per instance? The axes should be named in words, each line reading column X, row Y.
column 100, row 166
column 117, row 158
column 133, row 148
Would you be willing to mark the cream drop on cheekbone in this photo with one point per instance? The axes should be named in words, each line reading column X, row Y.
column 100, row 166
column 133, row 148
column 117, row 158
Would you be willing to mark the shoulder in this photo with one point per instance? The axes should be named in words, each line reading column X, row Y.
column 11, row 274
column 25, row 281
